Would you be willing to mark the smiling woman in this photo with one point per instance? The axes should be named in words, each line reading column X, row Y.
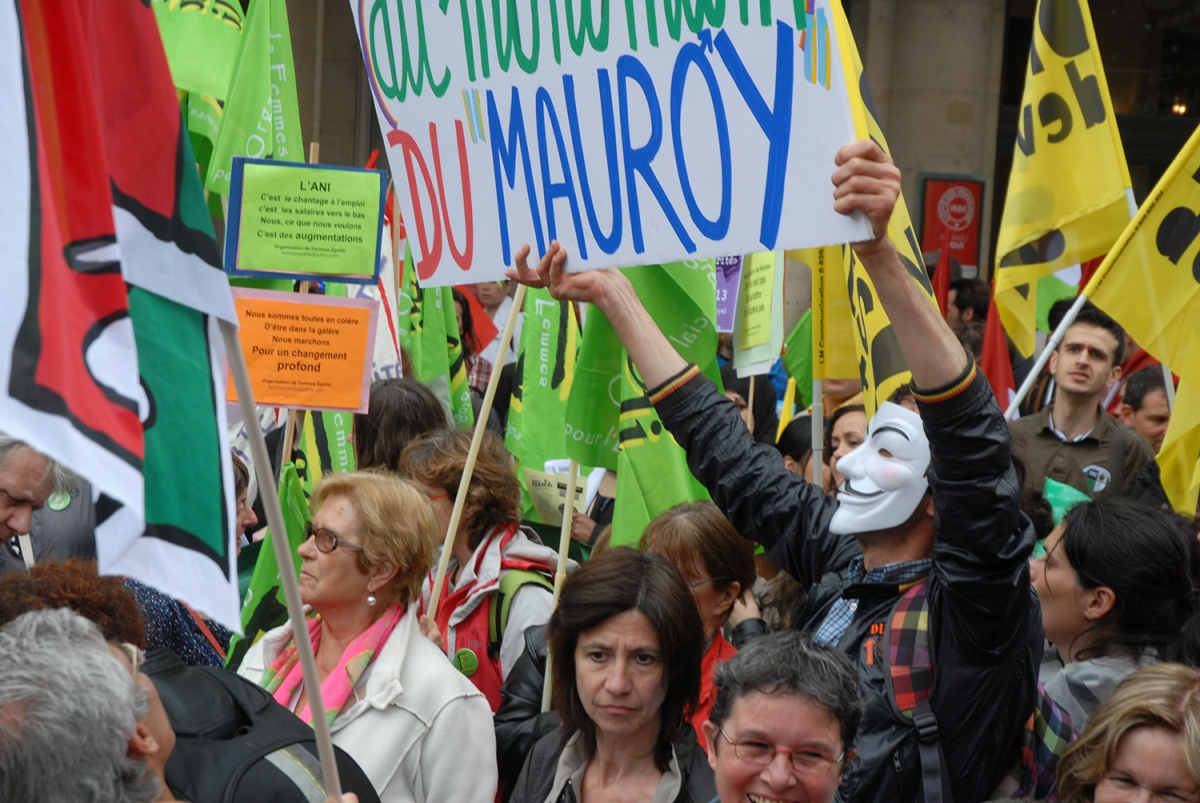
column 625, row 645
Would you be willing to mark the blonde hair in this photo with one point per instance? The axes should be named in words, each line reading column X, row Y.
column 395, row 522
column 1163, row 696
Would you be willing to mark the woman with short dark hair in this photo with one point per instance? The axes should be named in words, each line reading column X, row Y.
column 625, row 646
column 784, row 722
column 1116, row 587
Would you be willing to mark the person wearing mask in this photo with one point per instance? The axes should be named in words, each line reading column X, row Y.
column 625, row 643
column 1141, row 745
column 399, row 411
column 761, row 418
column 783, row 727
column 1116, row 592
column 1145, row 408
column 77, row 729
column 497, row 303
column 490, row 544
column 847, row 431
column 930, row 498
column 1073, row 440
column 392, row 700
column 718, row 566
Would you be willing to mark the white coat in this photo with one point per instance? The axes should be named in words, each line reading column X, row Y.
column 418, row 728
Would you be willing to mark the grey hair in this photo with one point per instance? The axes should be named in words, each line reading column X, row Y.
column 67, row 710
column 791, row 663
column 65, row 480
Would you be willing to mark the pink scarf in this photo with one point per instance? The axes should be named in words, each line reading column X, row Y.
column 284, row 677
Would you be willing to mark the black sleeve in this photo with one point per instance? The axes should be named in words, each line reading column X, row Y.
column 749, row 482
column 745, row 631
column 519, row 721
column 983, row 543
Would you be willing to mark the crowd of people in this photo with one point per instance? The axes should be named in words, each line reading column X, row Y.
column 928, row 624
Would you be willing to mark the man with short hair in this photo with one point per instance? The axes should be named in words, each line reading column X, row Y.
column 1144, row 405
column 27, row 478
column 968, row 303
column 929, row 502
column 71, row 716
column 1073, row 440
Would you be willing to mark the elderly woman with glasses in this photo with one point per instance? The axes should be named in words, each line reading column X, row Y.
column 392, row 700
column 783, row 725
column 625, row 645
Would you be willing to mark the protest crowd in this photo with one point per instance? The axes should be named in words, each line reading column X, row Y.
column 572, row 532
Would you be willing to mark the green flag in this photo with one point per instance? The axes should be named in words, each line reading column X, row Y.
column 201, row 38
column 264, row 607
column 798, row 359
column 428, row 329
column 608, row 406
column 327, row 444
column 261, row 118
column 543, row 377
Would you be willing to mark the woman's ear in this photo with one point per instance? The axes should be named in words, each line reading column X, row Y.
column 1098, row 602
column 382, row 574
column 729, row 596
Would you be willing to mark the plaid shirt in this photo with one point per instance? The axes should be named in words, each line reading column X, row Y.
column 479, row 373
column 842, row 613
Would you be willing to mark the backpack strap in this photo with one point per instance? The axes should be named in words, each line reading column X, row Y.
column 909, row 677
column 511, row 582
column 204, row 630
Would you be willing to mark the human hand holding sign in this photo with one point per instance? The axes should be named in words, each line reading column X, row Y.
column 866, row 180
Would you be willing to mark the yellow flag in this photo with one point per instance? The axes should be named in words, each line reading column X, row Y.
column 833, row 354
column 1150, row 283
column 1177, row 460
column 1068, row 192
column 881, row 363
column 1150, row 280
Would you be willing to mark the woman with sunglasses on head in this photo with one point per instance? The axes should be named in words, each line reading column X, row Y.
column 500, row 577
column 392, row 701
column 625, row 646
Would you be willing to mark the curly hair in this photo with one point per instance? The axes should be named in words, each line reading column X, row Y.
column 76, row 585
column 494, row 497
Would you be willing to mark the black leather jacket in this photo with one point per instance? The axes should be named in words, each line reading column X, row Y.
column 537, row 777
column 985, row 622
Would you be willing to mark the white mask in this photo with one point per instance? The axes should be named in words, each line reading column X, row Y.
column 880, row 492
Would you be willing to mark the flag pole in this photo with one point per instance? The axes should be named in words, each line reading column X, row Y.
column 287, row 570
column 560, row 576
column 314, row 145
column 750, row 404
column 818, row 432
column 460, row 499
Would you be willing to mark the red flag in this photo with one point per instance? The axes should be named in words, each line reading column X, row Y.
column 941, row 274
column 994, row 362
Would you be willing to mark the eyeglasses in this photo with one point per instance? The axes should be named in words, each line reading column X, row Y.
column 435, row 497
column 762, row 754
column 135, row 655
column 698, row 583
column 328, row 540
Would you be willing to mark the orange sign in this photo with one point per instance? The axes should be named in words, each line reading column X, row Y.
column 306, row 351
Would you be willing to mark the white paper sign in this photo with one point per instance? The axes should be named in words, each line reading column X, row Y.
column 633, row 132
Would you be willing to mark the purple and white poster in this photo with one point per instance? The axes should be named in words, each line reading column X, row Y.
column 729, row 279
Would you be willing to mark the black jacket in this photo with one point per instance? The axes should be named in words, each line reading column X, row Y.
column 537, row 778
column 985, row 622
